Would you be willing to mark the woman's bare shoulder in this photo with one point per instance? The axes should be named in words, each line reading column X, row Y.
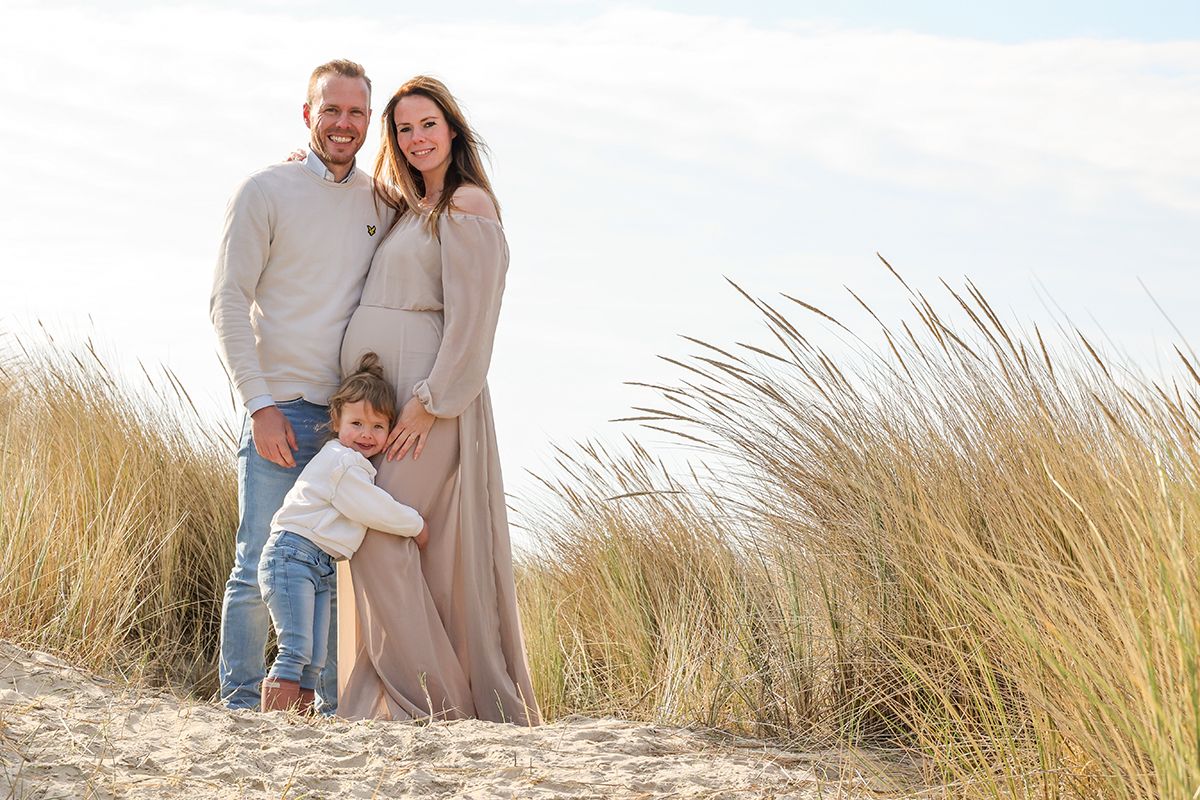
column 475, row 201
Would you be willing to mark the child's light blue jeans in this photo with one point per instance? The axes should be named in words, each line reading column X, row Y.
column 296, row 578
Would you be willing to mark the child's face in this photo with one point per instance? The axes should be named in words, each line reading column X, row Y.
column 362, row 428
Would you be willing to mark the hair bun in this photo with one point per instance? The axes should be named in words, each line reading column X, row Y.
column 369, row 364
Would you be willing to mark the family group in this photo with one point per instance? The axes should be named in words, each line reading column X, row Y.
column 355, row 314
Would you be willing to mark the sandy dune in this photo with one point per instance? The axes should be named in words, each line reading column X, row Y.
column 67, row 734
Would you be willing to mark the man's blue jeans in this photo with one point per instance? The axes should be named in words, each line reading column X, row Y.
column 296, row 578
column 244, row 619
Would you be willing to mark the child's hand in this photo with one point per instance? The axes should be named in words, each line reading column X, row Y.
column 422, row 538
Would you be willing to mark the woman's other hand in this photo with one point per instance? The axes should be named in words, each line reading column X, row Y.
column 422, row 538
column 299, row 154
column 410, row 432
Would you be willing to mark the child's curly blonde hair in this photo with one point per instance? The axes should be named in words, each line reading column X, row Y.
column 367, row 384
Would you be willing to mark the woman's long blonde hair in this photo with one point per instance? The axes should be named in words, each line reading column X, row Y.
column 400, row 186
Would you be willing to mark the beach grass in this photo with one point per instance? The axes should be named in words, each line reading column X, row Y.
column 951, row 537
column 116, row 517
column 967, row 540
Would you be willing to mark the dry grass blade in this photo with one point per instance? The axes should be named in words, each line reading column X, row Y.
column 1188, row 364
column 896, row 275
column 817, row 311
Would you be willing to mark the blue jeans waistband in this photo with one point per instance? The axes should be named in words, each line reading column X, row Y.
column 298, row 542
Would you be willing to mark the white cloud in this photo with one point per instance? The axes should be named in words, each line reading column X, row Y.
column 681, row 87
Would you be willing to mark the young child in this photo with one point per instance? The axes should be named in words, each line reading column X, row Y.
column 324, row 518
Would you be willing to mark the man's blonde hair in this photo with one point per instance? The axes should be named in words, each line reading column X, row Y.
column 342, row 67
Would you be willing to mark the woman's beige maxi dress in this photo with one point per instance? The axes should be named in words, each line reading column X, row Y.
column 436, row 633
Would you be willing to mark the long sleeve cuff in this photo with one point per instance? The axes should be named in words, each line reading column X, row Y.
column 251, row 388
column 421, row 392
column 259, row 402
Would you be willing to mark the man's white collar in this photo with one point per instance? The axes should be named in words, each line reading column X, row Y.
column 319, row 169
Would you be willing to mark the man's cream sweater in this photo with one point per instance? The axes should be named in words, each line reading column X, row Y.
column 290, row 271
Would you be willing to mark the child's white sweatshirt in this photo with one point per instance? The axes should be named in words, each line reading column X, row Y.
column 335, row 500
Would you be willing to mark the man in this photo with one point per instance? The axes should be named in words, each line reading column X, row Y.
column 299, row 237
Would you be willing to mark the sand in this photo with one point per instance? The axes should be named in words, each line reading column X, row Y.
column 67, row 734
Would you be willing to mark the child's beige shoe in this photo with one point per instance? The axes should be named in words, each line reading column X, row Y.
column 280, row 694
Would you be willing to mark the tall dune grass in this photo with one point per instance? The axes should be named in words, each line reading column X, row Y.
column 960, row 540
column 957, row 541
column 116, row 516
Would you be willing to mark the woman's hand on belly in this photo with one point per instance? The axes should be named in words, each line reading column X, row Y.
column 410, row 432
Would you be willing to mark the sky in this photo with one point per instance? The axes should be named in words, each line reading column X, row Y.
column 643, row 153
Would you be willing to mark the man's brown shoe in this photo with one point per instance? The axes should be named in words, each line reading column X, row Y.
column 279, row 694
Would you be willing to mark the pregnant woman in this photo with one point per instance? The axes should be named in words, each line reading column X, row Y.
column 435, row 633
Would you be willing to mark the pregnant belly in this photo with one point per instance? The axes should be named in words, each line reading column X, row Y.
column 406, row 341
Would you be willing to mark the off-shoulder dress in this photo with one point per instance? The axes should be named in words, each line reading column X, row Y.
column 436, row 633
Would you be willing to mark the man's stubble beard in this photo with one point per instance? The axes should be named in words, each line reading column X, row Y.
column 318, row 147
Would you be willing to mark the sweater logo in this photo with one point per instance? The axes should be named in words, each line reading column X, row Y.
column 371, row 230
